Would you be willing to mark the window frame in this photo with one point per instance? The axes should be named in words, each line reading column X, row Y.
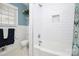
column 16, row 21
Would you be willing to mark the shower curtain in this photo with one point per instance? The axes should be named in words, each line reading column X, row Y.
column 75, row 46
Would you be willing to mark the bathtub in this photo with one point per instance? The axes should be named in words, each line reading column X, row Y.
column 41, row 51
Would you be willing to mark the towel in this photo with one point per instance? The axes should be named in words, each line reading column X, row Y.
column 2, row 41
column 10, row 38
column 5, row 32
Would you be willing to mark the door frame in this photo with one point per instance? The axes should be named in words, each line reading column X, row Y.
column 30, row 31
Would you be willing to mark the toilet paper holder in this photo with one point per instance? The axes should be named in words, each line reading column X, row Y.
column 2, row 49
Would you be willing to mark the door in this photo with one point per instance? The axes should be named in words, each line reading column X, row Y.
column 52, row 29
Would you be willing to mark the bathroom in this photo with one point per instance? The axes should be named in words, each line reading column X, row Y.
column 39, row 29
column 14, row 16
column 53, row 29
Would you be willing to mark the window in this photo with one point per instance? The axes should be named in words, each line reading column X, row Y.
column 8, row 14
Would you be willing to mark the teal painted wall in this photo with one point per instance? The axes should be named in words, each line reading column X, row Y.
column 22, row 19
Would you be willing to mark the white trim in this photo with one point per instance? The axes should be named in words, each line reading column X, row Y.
column 30, row 32
column 17, row 17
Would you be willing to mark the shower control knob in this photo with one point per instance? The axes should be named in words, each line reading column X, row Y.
column 38, row 35
column 40, row 41
column 39, row 44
